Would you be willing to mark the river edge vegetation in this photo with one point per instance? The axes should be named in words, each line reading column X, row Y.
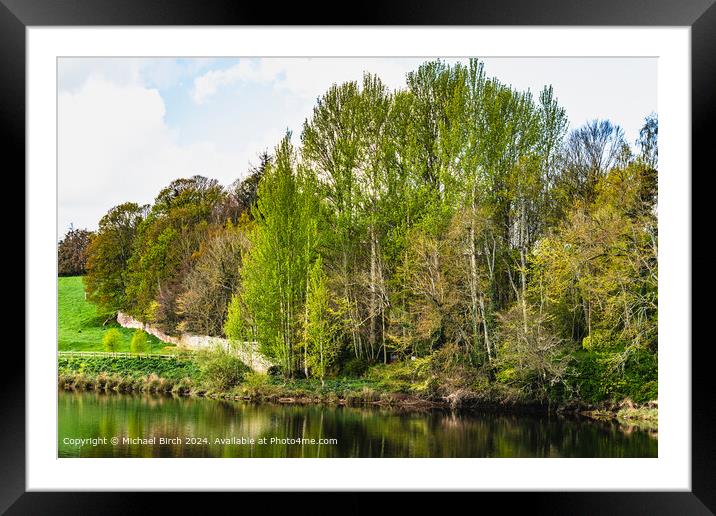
column 221, row 376
column 198, row 378
column 447, row 242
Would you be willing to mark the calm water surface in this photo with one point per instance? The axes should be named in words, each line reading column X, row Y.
column 197, row 427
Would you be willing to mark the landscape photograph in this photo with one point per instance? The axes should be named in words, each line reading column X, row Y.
column 357, row 257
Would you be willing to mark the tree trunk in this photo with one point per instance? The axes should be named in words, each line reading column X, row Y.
column 523, row 265
column 373, row 292
column 488, row 345
column 473, row 276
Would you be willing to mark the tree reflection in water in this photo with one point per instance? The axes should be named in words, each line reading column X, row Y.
column 360, row 432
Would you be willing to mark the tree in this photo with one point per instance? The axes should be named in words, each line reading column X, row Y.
column 108, row 255
column 320, row 328
column 531, row 357
column 276, row 268
column 72, row 252
column 598, row 272
column 215, row 275
column 167, row 241
column 590, row 152
column 375, row 108
column 139, row 342
column 239, row 328
column 111, row 340
column 648, row 141
column 434, row 302
column 333, row 148
column 245, row 192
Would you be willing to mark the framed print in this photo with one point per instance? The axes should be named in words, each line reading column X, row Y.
column 397, row 255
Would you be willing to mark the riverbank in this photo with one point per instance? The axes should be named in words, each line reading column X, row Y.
column 645, row 415
column 342, row 391
column 255, row 389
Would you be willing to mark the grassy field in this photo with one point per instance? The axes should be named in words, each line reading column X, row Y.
column 80, row 327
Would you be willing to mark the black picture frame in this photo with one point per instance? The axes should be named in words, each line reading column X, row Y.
column 700, row 15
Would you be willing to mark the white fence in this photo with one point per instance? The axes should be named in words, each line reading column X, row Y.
column 123, row 354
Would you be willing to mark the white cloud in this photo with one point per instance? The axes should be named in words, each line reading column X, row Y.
column 73, row 72
column 245, row 70
column 114, row 146
column 303, row 77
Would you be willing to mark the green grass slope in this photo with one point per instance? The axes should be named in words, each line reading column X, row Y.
column 80, row 327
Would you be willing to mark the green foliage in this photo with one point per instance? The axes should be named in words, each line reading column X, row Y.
column 354, row 367
column 255, row 381
column 139, row 343
column 220, row 370
column 320, row 328
column 166, row 242
column 453, row 222
column 407, row 376
column 108, row 255
column 134, row 367
column 275, row 270
column 111, row 340
column 606, row 376
column 598, row 273
column 80, row 325
column 235, row 326
column 601, row 340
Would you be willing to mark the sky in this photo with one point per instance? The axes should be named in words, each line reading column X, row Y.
column 129, row 126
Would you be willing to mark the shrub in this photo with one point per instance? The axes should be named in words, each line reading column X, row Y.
column 255, row 380
column 102, row 380
column 111, row 340
column 182, row 387
column 354, row 367
column 601, row 340
column 220, row 370
column 153, row 383
column 64, row 381
column 609, row 376
column 403, row 376
column 139, row 343
column 530, row 356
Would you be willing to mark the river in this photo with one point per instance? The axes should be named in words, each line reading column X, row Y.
column 156, row 426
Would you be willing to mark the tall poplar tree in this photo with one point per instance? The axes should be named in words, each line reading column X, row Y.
column 275, row 271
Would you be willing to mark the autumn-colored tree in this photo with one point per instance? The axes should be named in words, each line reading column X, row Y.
column 108, row 255
column 72, row 252
column 214, row 278
column 166, row 245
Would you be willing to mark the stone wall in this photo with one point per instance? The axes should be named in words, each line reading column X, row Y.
column 246, row 351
